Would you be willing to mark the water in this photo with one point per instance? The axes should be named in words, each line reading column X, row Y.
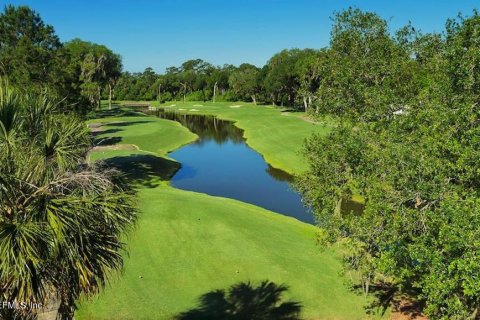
column 220, row 163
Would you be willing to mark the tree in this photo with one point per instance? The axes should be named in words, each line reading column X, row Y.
column 61, row 218
column 218, row 80
column 94, row 67
column 366, row 75
column 244, row 82
column 416, row 171
column 308, row 71
column 281, row 80
column 112, row 72
column 463, row 55
column 31, row 54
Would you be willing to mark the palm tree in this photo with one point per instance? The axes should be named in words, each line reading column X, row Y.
column 61, row 218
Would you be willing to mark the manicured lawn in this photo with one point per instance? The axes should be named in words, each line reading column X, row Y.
column 278, row 135
column 186, row 244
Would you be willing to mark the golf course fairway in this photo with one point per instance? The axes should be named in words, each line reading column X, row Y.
column 186, row 244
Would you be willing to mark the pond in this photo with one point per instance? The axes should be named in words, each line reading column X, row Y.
column 220, row 163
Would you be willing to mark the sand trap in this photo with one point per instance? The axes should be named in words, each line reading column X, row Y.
column 172, row 105
column 193, row 110
column 95, row 127
column 181, row 109
column 238, row 106
column 198, row 105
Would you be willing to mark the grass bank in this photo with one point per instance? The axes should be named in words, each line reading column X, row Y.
column 275, row 133
column 187, row 244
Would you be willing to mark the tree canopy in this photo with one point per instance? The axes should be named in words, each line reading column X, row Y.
column 407, row 144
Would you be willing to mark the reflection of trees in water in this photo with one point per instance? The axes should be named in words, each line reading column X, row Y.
column 279, row 174
column 243, row 301
column 206, row 127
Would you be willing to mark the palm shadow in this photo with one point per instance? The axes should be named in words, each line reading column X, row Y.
column 108, row 131
column 144, row 169
column 126, row 123
column 117, row 111
column 388, row 296
column 106, row 141
column 243, row 301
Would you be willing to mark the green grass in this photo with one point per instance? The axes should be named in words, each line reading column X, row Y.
column 277, row 134
column 186, row 244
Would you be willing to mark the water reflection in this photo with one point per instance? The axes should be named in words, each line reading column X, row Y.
column 206, row 127
column 220, row 163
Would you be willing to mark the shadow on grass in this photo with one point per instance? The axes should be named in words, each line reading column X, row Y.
column 126, row 123
column 106, row 141
column 243, row 301
column 108, row 131
column 143, row 169
column 388, row 296
column 294, row 109
column 117, row 112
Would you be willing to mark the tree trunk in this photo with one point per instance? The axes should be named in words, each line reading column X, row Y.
column 214, row 90
column 99, row 99
column 338, row 207
column 305, row 104
column 254, row 99
column 366, row 287
column 184, row 93
column 110, row 96
column 159, row 93
column 50, row 310
column 66, row 307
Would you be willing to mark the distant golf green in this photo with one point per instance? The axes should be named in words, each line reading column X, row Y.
column 187, row 244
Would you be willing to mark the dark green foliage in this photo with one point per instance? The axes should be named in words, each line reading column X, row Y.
column 416, row 170
column 60, row 218
column 365, row 73
column 93, row 68
column 31, row 54
column 245, row 83
column 32, row 57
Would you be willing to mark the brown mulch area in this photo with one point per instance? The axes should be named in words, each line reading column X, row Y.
column 406, row 309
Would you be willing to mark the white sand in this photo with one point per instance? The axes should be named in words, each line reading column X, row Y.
column 238, row 106
column 193, row 110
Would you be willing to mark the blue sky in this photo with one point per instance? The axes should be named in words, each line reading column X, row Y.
column 163, row 33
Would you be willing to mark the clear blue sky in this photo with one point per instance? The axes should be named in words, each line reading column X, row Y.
column 163, row 33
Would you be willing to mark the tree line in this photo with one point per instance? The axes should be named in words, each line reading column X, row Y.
column 32, row 56
column 288, row 79
column 84, row 73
